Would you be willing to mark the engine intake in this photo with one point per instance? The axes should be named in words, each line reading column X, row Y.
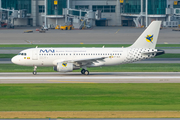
column 64, row 67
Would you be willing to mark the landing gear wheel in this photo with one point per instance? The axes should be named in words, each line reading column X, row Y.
column 34, row 73
column 86, row 72
column 83, row 71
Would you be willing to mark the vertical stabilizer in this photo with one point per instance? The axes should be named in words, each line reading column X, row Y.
column 148, row 38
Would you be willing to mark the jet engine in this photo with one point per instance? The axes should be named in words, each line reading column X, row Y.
column 64, row 67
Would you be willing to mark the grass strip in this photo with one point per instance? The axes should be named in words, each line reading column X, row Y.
column 167, row 55
column 154, row 67
column 90, row 97
column 7, row 55
column 79, row 45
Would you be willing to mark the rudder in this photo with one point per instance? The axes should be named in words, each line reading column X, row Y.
column 148, row 38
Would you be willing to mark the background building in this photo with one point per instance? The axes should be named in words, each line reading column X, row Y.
column 137, row 9
column 111, row 12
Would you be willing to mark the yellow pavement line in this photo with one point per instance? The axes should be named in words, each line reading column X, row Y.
column 117, row 31
column 90, row 114
column 69, row 81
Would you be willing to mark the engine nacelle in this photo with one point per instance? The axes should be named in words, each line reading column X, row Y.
column 64, row 67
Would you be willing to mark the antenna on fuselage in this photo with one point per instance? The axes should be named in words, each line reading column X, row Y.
column 36, row 46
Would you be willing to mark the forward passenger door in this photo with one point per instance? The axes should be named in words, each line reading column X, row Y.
column 35, row 55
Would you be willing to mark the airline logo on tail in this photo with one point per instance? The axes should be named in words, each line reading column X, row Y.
column 64, row 64
column 149, row 38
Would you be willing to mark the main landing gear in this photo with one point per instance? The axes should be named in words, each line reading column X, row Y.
column 34, row 72
column 84, row 72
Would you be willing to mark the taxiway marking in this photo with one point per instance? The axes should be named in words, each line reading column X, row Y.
column 117, row 31
column 68, row 81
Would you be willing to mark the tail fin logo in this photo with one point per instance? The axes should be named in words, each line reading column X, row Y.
column 64, row 64
column 149, row 38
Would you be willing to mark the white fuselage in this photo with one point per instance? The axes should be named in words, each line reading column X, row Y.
column 51, row 56
column 69, row 59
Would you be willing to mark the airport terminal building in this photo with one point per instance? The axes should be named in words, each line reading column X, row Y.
column 92, row 12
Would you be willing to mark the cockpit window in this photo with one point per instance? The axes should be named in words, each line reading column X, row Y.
column 23, row 54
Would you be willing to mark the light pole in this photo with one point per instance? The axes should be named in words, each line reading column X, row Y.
column 146, row 13
column 0, row 3
column 45, row 7
column 141, row 12
column 68, row 4
column 0, row 13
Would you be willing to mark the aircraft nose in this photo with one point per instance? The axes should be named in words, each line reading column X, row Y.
column 14, row 60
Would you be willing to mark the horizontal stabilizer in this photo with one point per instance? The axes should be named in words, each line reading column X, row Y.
column 159, row 52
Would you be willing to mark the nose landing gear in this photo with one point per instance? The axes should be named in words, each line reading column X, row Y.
column 34, row 72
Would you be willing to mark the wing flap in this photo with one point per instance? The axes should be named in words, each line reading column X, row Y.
column 90, row 59
column 87, row 61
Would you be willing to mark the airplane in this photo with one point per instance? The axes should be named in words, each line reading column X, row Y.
column 69, row 59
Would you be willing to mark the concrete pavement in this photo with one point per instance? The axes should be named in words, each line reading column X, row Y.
column 94, row 77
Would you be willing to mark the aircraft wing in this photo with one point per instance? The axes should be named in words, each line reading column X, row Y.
column 87, row 61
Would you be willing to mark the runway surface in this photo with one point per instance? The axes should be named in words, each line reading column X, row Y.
column 94, row 77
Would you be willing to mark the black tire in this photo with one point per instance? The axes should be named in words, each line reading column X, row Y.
column 66, row 28
column 34, row 73
column 83, row 71
column 70, row 28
